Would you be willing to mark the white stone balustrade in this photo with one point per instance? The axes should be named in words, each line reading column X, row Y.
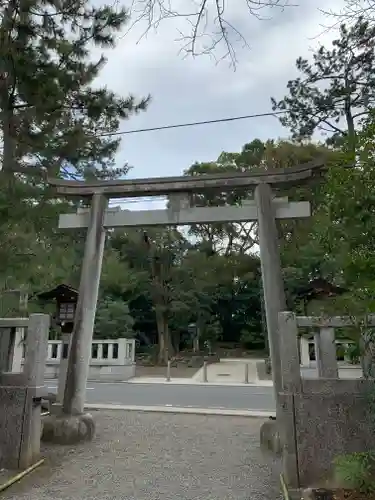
column 308, row 345
column 112, row 359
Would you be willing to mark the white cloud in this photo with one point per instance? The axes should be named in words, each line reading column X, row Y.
column 195, row 89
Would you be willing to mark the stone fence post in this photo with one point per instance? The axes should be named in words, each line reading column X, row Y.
column 121, row 349
column 289, row 353
column 35, row 360
column 36, row 349
column 291, row 385
column 326, row 355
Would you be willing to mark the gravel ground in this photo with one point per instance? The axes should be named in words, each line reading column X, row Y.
column 148, row 456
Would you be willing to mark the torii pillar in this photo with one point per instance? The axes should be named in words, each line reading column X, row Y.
column 273, row 285
column 84, row 319
column 70, row 424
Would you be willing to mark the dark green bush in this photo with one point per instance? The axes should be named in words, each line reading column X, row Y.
column 353, row 352
column 356, row 471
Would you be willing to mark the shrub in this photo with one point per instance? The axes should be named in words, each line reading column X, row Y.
column 356, row 471
column 353, row 352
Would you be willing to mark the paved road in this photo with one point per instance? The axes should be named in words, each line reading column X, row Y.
column 195, row 396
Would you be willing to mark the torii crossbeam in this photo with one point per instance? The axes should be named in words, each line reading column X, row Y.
column 159, row 186
column 185, row 216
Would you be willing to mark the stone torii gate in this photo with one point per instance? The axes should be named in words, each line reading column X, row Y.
column 264, row 208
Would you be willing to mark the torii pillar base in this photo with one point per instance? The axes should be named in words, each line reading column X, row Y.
column 59, row 428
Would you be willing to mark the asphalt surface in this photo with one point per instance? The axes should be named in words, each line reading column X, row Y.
column 193, row 396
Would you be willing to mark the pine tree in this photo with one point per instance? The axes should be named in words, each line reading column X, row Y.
column 52, row 117
column 336, row 91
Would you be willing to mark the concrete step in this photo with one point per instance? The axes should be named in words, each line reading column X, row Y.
column 228, row 371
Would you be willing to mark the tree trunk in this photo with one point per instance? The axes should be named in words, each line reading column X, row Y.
column 161, row 337
column 7, row 84
column 166, row 349
column 200, row 330
column 196, row 344
column 350, row 124
column 368, row 354
column 168, row 339
column 200, row 326
column 175, row 341
column 159, row 294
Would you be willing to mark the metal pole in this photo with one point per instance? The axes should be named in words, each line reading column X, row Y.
column 246, row 373
column 205, row 371
column 168, row 371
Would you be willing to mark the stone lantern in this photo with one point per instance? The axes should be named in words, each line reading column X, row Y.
column 66, row 298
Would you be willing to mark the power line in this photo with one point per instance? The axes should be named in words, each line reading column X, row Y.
column 192, row 124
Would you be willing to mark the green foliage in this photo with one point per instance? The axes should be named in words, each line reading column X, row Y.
column 255, row 155
column 113, row 320
column 349, row 236
column 54, row 119
column 357, row 471
column 252, row 338
column 53, row 116
column 349, row 206
column 212, row 331
column 336, row 91
column 353, row 352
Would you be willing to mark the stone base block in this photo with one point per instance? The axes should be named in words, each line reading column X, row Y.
column 270, row 437
column 68, row 429
column 295, row 494
column 308, row 494
column 48, row 400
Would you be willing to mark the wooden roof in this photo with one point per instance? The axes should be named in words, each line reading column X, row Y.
column 61, row 292
column 318, row 288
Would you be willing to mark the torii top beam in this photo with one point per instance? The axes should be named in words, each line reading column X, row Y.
column 187, row 184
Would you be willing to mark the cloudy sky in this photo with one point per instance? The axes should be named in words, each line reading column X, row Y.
column 186, row 89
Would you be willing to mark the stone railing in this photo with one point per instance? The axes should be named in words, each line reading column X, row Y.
column 21, row 391
column 110, row 359
column 324, row 417
column 307, row 346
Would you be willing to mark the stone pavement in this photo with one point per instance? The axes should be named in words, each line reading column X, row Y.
column 194, row 381
column 230, row 370
column 144, row 456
